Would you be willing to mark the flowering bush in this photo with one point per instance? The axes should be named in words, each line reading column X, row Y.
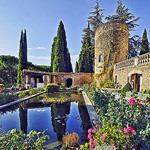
column 127, row 121
column 121, row 138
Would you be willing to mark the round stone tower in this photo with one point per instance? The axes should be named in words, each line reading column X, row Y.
column 111, row 44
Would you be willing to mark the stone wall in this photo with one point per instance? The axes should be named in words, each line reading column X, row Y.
column 77, row 78
column 124, row 75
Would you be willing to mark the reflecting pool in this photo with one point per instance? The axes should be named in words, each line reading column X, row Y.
column 59, row 112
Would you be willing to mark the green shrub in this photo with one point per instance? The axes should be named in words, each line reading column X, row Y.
column 50, row 88
column 147, row 92
column 15, row 139
column 126, row 88
column 62, row 86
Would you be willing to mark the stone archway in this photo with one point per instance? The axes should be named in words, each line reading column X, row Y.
column 135, row 78
column 69, row 82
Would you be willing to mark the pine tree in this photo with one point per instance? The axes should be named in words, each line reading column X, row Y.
column 61, row 60
column 144, row 44
column 95, row 19
column 22, row 62
column 122, row 13
column 77, row 68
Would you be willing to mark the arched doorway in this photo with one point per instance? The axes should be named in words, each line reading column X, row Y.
column 69, row 82
column 135, row 80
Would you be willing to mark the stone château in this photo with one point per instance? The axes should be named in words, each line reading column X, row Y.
column 111, row 63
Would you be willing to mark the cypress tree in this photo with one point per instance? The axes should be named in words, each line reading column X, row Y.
column 53, row 52
column 86, row 57
column 61, row 60
column 22, row 62
column 144, row 44
column 77, row 68
column 24, row 50
column 68, row 62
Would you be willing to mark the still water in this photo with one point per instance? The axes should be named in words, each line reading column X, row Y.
column 59, row 112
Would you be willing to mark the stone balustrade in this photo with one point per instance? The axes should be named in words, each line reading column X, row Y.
column 139, row 60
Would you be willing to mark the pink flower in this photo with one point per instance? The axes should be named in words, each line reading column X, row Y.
column 126, row 131
column 103, row 137
column 91, row 146
column 91, row 140
column 90, row 131
column 133, row 149
column 95, row 142
column 96, row 126
column 112, row 144
column 131, row 101
column 125, row 147
column 120, row 131
column 137, row 103
column 94, row 130
column 97, row 132
column 89, row 136
column 143, row 101
column 126, row 135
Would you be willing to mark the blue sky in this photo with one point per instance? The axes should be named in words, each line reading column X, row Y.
column 41, row 19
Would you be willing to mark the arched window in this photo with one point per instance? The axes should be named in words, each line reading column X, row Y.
column 100, row 58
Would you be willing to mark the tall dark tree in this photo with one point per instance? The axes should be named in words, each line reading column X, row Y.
column 144, row 44
column 22, row 62
column 77, row 68
column 68, row 62
column 86, row 57
column 95, row 18
column 61, row 59
column 53, row 52
column 134, row 46
column 24, row 50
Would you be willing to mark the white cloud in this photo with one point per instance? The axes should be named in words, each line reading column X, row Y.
column 74, row 58
column 37, row 48
column 40, row 48
column 1, row 49
column 39, row 57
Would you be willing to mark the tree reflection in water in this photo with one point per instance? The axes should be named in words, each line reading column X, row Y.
column 60, row 114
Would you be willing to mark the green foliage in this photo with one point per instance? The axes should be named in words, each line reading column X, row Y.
column 16, row 139
column 147, row 92
column 23, row 94
column 145, row 45
column 8, row 69
column 60, row 53
column 50, row 88
column 62, row 86
column 123, row 14
column 77, row 67
column 7, row 98
column 86, row 57
column 95, row 18
column 1, row 85
column 126, row 88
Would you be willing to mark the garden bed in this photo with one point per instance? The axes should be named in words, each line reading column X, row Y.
column 125, row 123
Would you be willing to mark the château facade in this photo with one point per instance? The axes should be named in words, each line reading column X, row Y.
column 111, row 58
